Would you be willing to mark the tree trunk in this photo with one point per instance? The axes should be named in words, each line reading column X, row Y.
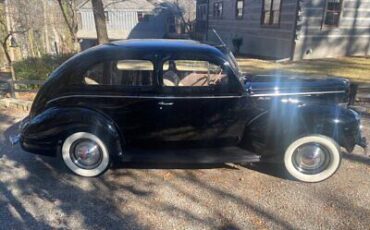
column 46, row 27
column 65, row 16
column 6, row 52
column 100, row 21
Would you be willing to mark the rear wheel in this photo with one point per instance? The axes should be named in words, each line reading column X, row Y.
column 312, row 158
column 85, row 154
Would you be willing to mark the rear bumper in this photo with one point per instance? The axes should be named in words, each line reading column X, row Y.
column 45, row 147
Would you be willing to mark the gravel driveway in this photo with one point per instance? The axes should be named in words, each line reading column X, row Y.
column 39, row 193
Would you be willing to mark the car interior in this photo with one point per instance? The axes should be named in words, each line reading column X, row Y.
column 192, row 73
column 176, row 73
column 122, row 72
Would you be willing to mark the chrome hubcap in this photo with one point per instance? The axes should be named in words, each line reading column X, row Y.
column 86, row 154
column 311, row 158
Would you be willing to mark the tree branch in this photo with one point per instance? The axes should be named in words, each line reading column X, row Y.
column 65, row 16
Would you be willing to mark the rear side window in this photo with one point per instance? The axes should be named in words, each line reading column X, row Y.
column 121, row 73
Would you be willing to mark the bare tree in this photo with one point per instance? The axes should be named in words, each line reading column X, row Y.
column 100, row 21
column 6, row 32
column 69, row 12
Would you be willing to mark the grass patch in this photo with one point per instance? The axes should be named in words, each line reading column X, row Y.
column 357, row 69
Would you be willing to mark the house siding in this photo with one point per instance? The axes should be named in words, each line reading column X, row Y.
column 351, row 37
column 123, row 21
column 258, row 40
column 124, row 24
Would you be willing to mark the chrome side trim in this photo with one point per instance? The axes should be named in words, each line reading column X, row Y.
column 142, row 97
column 292, row 94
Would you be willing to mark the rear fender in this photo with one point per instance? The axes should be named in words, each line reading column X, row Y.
column 54, row 124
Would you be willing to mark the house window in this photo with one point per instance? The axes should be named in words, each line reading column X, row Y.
column 218, row 9
column 202, row 12
column 140, row 16
column 332, row 12
column 239, row 9
column 271, row 11
column 106, row 14
column 79, row 20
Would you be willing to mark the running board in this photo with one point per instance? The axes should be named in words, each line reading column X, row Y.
column 209, row 155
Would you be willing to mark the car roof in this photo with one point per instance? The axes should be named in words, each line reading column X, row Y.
column 117, row 48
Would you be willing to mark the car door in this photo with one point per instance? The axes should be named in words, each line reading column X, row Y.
column 126, row 90
column 201, row 103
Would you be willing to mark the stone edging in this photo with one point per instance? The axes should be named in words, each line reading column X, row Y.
column 15, row 103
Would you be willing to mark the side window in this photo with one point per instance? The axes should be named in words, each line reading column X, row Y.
column 218, row 9
column 332, row 12
column 271, row 12
column 193, row 73
column 121, row 73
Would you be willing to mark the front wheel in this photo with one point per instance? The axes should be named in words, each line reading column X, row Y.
column 312, row 158
column 85, row 154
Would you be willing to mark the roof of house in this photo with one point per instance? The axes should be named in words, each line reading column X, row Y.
column 157, row 43
column 123, row 4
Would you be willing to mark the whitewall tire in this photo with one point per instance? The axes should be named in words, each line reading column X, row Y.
column 85, row 154
column 312, row 158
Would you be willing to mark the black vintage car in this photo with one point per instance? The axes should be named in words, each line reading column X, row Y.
column 178, row 101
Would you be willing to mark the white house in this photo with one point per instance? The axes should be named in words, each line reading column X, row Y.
column 127, row 19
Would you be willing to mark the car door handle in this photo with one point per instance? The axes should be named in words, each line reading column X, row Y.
column 165, row 103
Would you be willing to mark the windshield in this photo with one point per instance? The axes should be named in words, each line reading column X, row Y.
column 233, row 62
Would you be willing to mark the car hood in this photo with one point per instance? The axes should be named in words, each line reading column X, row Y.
column 290, row 85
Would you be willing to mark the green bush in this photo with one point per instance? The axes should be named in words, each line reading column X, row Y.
column 38, row 68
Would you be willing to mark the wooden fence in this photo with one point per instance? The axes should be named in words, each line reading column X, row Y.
column 17, row 85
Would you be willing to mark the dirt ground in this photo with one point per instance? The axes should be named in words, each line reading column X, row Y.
column 39, row 193
column 357, row 69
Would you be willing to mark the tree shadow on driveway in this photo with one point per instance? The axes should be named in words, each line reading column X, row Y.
column 272, row 169
column 52, row 196
column 357, row 158
column 46, row 195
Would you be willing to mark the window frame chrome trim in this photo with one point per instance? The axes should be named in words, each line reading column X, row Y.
column 293, row 94
column 143, row 97
column 195, row 97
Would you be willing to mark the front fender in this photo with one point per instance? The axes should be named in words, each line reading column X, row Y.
column 46, row 130
column 272, row 131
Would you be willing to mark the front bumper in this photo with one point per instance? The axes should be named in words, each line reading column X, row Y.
column 14, row 139
column 363, row 143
